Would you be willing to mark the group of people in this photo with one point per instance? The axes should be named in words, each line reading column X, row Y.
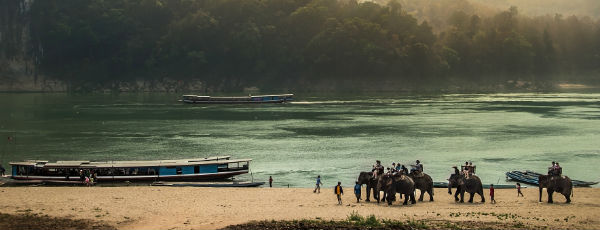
column 396, row 168
column 555, row 169
column 377, row 170
column 88, row 177
column 467, row 170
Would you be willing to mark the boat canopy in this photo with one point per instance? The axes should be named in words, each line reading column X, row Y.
column 124, row 164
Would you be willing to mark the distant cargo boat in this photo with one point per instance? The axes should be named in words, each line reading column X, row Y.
column 200, row 169
column 279, row 98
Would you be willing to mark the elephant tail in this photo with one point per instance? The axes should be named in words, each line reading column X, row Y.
column 572, row 191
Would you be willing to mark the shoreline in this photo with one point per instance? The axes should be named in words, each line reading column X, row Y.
column 147, row 207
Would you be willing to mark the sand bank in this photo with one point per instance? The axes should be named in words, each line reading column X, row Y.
column 142, row 207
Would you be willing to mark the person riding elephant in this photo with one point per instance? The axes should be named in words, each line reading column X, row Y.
column 367, row 178
column 472, row 185
column 555, row 183
column 392, row 184
column 424, row 183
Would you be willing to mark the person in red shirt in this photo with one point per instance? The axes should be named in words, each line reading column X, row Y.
column 492, row 194
column 519, row 190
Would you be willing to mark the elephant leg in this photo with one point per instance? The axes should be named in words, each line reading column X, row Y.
column 540, row 193
column 369, row 193
column 430, row 192
column 456, row 195
column 482, row 197
column 412, row 198
column 462, row 196
column 567, row 196
column 406, row 198
column 421, row 197
column 550, row 195
column 471, row 197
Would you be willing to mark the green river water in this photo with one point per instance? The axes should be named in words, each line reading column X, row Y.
column 332, row 136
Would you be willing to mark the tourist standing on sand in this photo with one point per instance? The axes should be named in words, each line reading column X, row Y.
column 357, row 191
column 2, row 170
column 492, row 194
column 318, row 187
column 519, row 190
column 339, row 191
column 270, row 181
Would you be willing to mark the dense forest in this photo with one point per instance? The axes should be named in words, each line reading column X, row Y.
column 310, row 44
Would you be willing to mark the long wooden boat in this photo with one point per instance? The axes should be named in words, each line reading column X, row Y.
column 199, row 169
column 278, row 98
column 486, row 186
column 531, row 177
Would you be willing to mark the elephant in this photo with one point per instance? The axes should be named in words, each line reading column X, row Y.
column 424, row 183
column 392, row 184
column 366, row 178
column 560, row 184
column 471, row 185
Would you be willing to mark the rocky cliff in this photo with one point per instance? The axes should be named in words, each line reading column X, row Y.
column 19, row 53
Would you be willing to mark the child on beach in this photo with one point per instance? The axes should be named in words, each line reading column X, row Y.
column 357, row 191
column 339, row 191
column 519, row 190
column 318, row 187
column 492, row 194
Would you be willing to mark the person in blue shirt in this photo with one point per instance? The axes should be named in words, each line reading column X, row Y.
column 357, row 191
column 318, row 187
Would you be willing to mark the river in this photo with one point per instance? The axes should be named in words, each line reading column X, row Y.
column 332, row 136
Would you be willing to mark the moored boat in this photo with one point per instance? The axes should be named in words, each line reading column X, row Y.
column 278, row 98
column 199, row 169
column 486, row 186
column 531, row 177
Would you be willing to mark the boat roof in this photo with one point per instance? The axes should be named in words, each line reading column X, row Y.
column 268, row 95
column 110, row 164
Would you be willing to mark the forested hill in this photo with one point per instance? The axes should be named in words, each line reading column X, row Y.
column 229, row 45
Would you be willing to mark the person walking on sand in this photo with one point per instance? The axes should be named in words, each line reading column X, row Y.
column 519, row 190
column 270, row 181
column 339, row 191
column 492, row 194
column 318, row 187
column 357, row 191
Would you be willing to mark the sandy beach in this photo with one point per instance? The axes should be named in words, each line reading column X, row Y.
column 145, row 207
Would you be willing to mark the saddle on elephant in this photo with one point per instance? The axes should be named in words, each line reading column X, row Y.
column 417, row 174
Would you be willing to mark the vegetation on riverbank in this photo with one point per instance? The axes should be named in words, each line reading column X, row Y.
column 228, row 45
column 356, row 221
column 29, row 221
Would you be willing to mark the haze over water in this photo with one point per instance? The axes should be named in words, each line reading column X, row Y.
column 332, row 136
